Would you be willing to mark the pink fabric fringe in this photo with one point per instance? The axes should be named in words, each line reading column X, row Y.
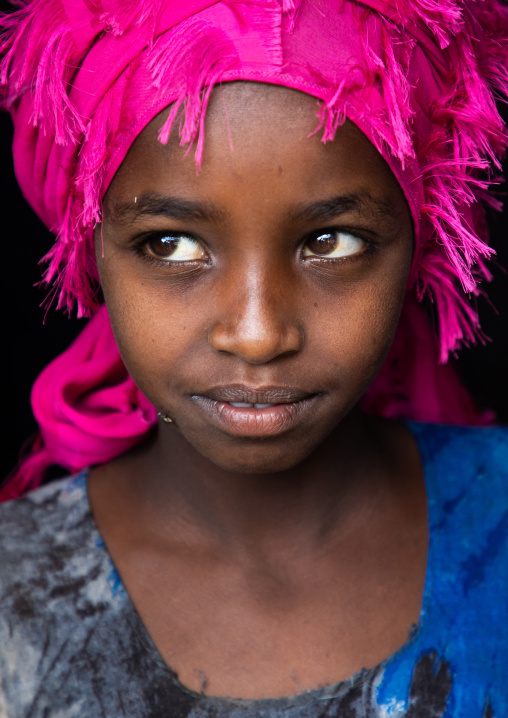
column 420, row 78
column 458, row 135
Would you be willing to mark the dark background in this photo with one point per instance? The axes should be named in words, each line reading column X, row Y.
column 31, row 340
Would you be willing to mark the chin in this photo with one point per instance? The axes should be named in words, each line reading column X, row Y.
column 260, row 458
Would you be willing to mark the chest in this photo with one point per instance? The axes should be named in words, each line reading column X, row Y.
column 256, row 631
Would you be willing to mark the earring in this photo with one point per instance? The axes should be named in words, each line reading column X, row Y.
column 164, row 417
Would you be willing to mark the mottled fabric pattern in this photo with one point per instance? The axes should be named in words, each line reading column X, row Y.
column 73, row 646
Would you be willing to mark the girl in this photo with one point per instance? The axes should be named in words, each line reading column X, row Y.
column 241, row 538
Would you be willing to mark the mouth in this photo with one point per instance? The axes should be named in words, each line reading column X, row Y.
column 255, row 412
column 242, row 405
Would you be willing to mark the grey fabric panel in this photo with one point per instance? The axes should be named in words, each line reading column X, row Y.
column 73, row 646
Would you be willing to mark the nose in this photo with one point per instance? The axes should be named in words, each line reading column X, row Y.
column 257, row 319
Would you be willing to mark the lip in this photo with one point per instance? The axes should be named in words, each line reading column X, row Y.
column 288, row 406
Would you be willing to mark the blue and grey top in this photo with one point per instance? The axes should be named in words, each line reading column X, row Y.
column 73, row 646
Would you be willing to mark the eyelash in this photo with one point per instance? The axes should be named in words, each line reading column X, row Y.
column 141, row 243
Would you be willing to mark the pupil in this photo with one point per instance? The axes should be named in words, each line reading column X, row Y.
column 323, row 243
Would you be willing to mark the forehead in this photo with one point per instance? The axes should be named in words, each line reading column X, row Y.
column 258, row 138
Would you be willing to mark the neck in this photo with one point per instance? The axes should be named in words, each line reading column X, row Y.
column 177, row 487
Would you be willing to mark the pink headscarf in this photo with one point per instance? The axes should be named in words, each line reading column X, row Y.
column 82, row 78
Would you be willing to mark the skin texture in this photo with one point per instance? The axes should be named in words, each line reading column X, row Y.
column 271, row 554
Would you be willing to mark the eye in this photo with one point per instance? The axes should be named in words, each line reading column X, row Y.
column 333, row 245
column 173, row 248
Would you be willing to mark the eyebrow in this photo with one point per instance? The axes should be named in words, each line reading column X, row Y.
column 361, row 203
column 151, row 204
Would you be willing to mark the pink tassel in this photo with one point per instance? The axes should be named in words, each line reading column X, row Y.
column 40, row 33
column 444, row 19
column 93, row 157
column 117, row 18
column 388, row 72
column 192, row 57
column 290, row 9
column 392, row 123
column 95, row 150
column 457, row 319
column 71, row 266
column 265, row 16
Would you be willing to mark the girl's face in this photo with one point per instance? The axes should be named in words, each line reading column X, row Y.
column 255, row 301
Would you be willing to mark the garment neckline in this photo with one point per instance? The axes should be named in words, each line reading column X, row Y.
column 323, row 693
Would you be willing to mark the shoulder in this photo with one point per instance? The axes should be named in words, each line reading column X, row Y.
column 50, row 553
column 466, row 472
column 57, row 586
column 42, row 525
column 441, row 435
column 465, row 451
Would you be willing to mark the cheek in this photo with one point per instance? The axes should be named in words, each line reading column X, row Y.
column 149, row 338
column 357, row 328
column 140, row 320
